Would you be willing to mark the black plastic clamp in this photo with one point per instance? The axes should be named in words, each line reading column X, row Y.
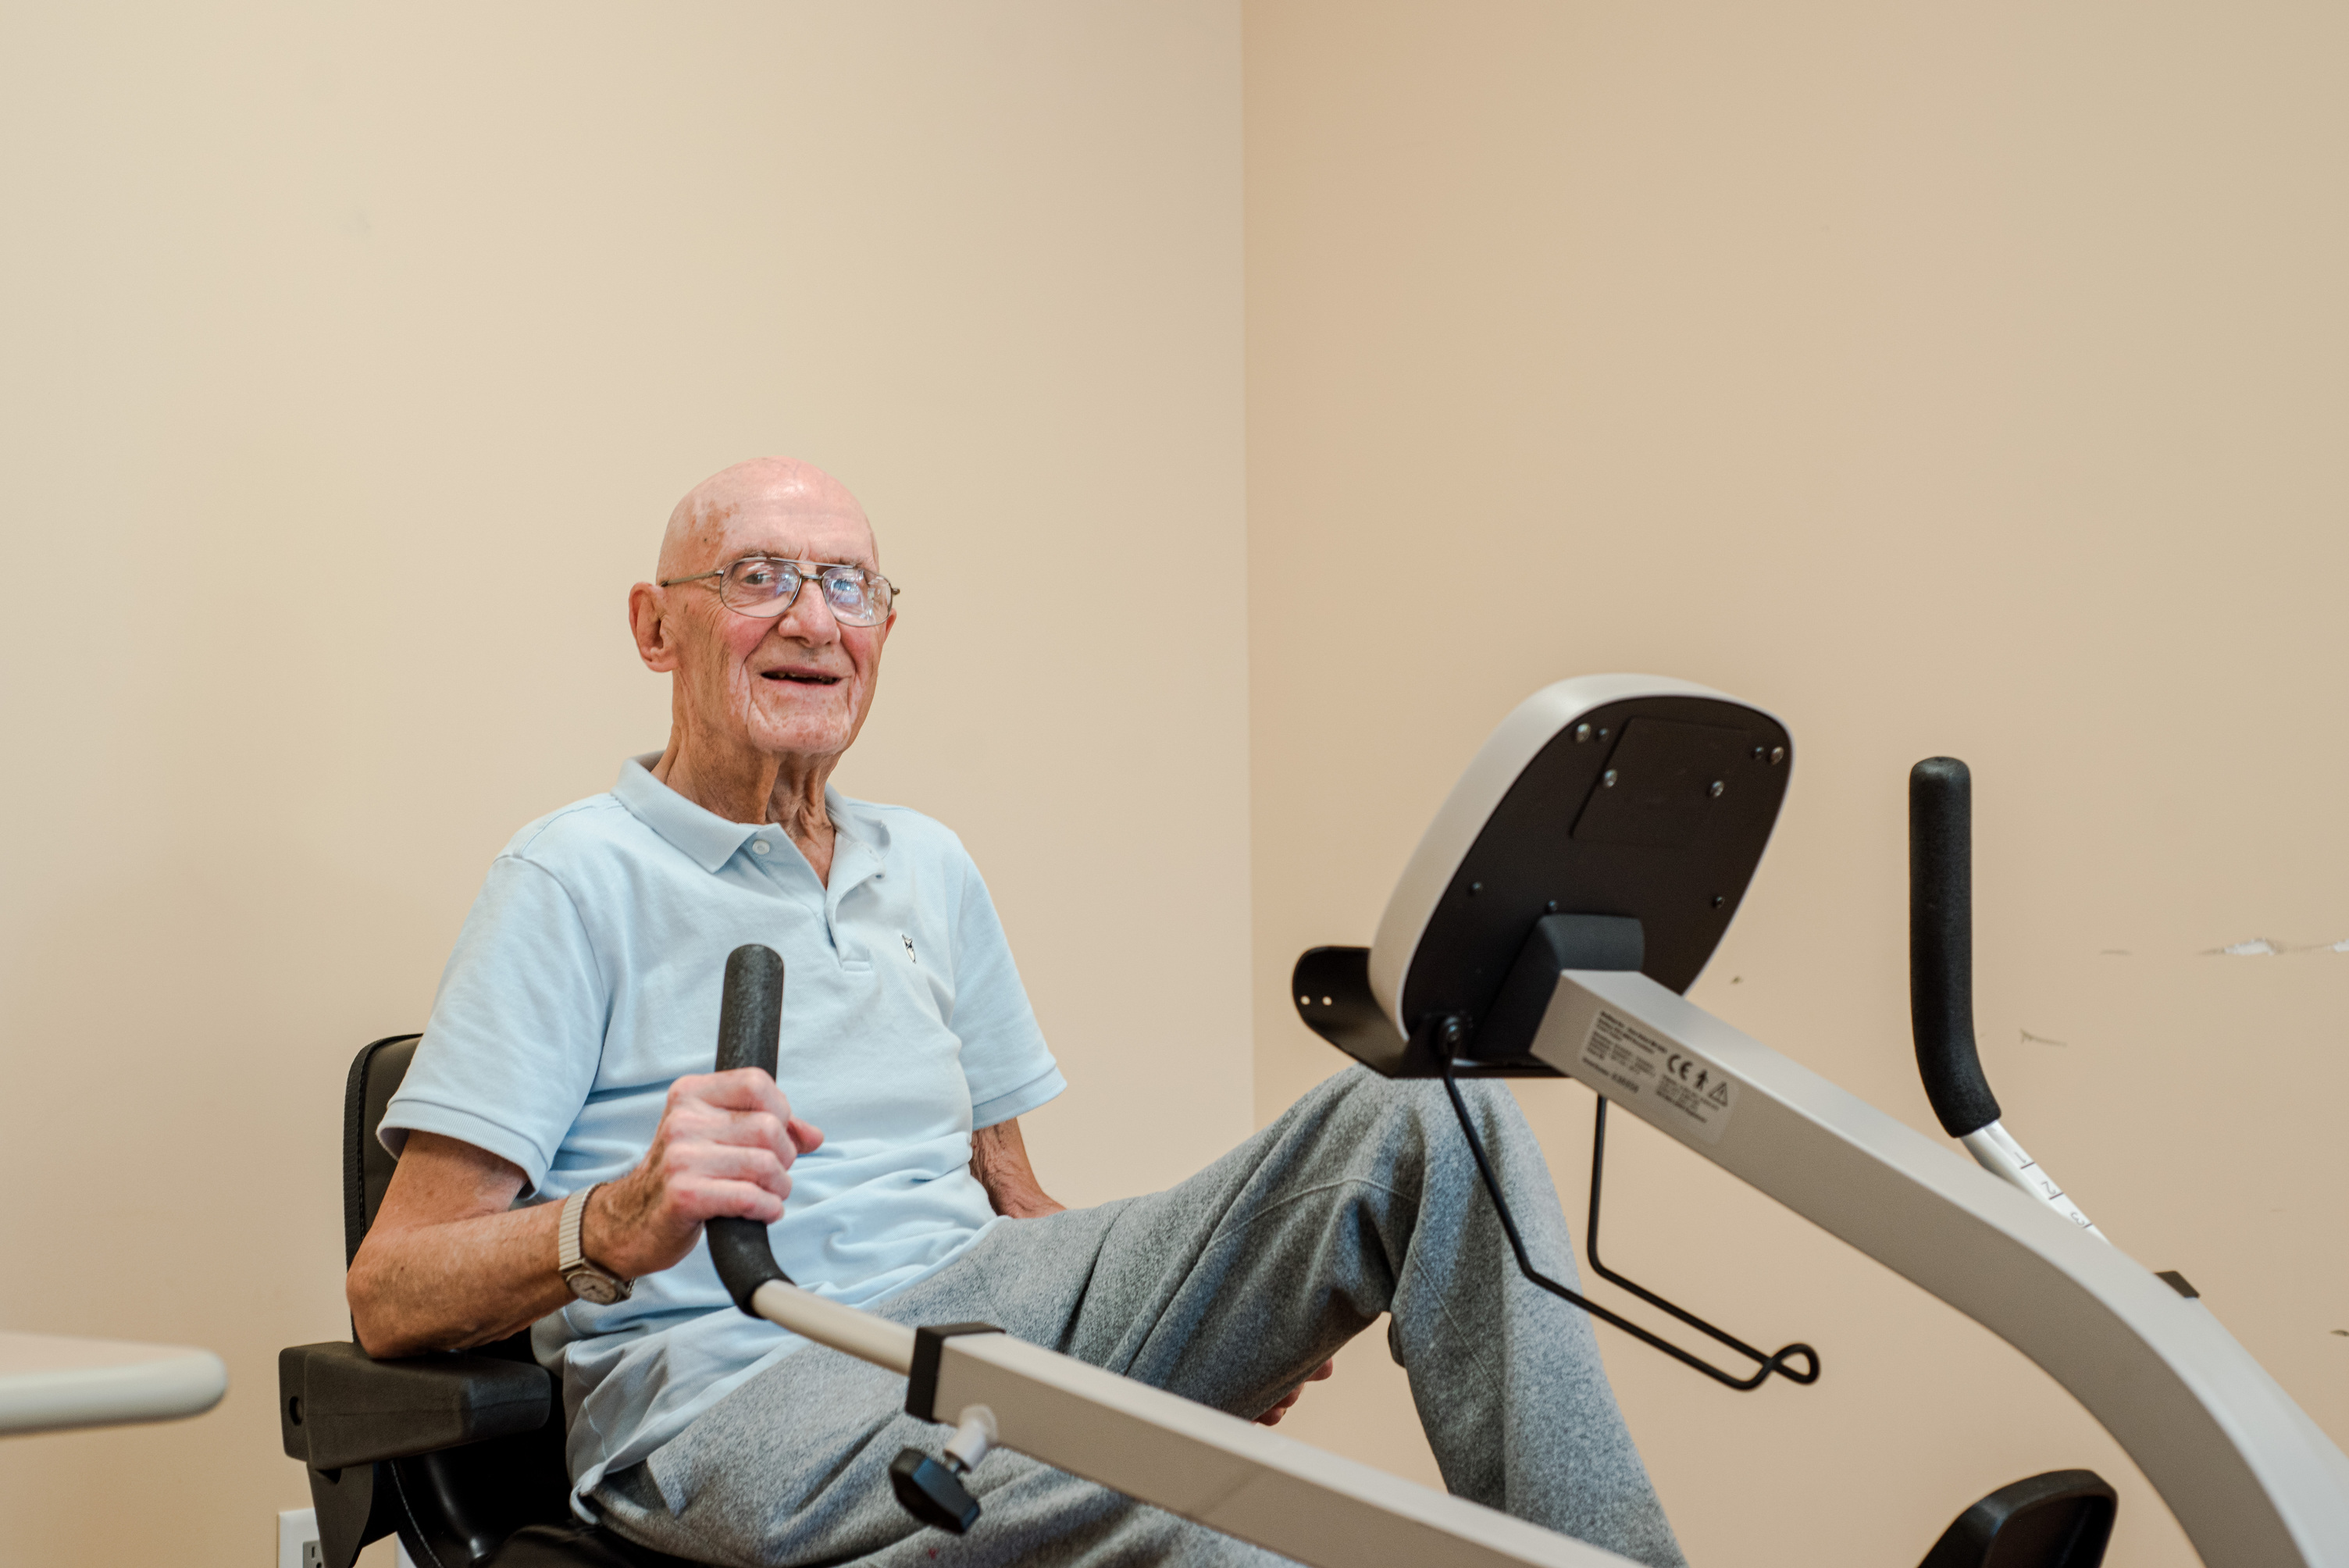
column 922, row 1381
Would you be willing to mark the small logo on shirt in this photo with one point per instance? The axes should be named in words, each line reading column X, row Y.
column 909, row 945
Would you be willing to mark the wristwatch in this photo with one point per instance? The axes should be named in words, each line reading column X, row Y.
column 587, row 1282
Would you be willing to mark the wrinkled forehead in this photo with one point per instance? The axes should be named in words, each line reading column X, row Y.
column 801, row 522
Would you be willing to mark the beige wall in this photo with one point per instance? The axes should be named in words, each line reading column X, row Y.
column 1964, row 382
column 356, row 356
column 1947, row 379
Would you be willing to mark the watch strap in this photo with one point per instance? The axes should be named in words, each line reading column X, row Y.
column 570, row 1260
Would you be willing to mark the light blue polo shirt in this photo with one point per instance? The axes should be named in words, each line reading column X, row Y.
column 587, row 978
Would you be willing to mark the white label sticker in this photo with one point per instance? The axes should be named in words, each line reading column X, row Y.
column 1633, row 1065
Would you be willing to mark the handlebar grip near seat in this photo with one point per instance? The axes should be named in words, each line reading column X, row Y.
column 749, row 1022
column 1941, row 944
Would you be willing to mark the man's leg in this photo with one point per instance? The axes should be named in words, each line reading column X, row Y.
column 1226, row 1289
column 792, row 1467
column 1362, row 1198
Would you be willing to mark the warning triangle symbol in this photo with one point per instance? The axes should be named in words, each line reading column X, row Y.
column 1720, row 1095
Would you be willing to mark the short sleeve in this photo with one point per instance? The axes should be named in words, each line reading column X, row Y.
column 517, row 1031
column 1004, row 1057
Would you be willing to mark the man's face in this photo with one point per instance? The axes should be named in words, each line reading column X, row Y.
column 798, row 684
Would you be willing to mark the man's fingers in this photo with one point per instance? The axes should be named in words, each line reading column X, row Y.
column 690, row 1163
column 734, row 1200
column 1320, row 1373
column 745, row 1092
column 724, row 1150
column 742, row 1089
column 704, row 1124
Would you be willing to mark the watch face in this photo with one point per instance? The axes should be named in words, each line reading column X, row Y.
column 593, row 1284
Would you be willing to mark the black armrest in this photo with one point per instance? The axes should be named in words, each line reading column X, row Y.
column 338, row 1407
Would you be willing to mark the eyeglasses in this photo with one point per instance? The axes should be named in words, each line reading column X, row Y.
column 767, row 585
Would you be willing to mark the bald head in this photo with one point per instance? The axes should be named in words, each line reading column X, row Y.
column 765, row 698
column 782, row 490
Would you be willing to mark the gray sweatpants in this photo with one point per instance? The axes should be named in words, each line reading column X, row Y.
column 1228, row 1289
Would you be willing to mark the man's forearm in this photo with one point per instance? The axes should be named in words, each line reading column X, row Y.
column 456, row 1284
column 449, row 1262
column 998, row 1158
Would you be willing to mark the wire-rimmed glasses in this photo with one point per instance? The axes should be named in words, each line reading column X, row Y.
column 767, row 585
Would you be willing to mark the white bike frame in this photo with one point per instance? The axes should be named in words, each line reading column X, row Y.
column 2254, row 1482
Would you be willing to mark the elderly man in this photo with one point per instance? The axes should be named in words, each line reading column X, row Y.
column 560, row 1147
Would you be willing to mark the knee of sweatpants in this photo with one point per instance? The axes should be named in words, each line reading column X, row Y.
column 1355, row 1110
column 1488, row 1099
column 1360, row 1091
column 1492, row 1110
column 1366, row 1108
column 1374, row 1108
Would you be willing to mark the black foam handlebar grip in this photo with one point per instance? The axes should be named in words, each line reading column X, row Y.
column 1941, row 944
column 749, row 1022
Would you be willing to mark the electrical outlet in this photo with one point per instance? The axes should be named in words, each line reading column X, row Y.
column 297, row 1538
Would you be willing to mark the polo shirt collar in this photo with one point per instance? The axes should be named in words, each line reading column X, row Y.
column 704, row 838
column 707, row 839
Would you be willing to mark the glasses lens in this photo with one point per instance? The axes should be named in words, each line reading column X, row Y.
column 854, row 597
column 766, row 586
column 760, row 586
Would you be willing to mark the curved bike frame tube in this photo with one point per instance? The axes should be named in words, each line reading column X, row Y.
column 2254, row 1482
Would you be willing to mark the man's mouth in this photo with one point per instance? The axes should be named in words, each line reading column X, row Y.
column 800, row 678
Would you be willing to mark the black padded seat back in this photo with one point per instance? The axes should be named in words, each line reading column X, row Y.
column 457, row 1508
column 375, row 1078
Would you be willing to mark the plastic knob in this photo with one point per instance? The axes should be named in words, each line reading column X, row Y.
column 931, row 1492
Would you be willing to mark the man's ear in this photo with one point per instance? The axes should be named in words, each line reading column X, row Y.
column 648, row 622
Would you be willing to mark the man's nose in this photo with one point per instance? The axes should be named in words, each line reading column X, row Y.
column 810, row 619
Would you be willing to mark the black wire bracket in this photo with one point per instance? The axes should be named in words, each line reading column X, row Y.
column 1768, row 1364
